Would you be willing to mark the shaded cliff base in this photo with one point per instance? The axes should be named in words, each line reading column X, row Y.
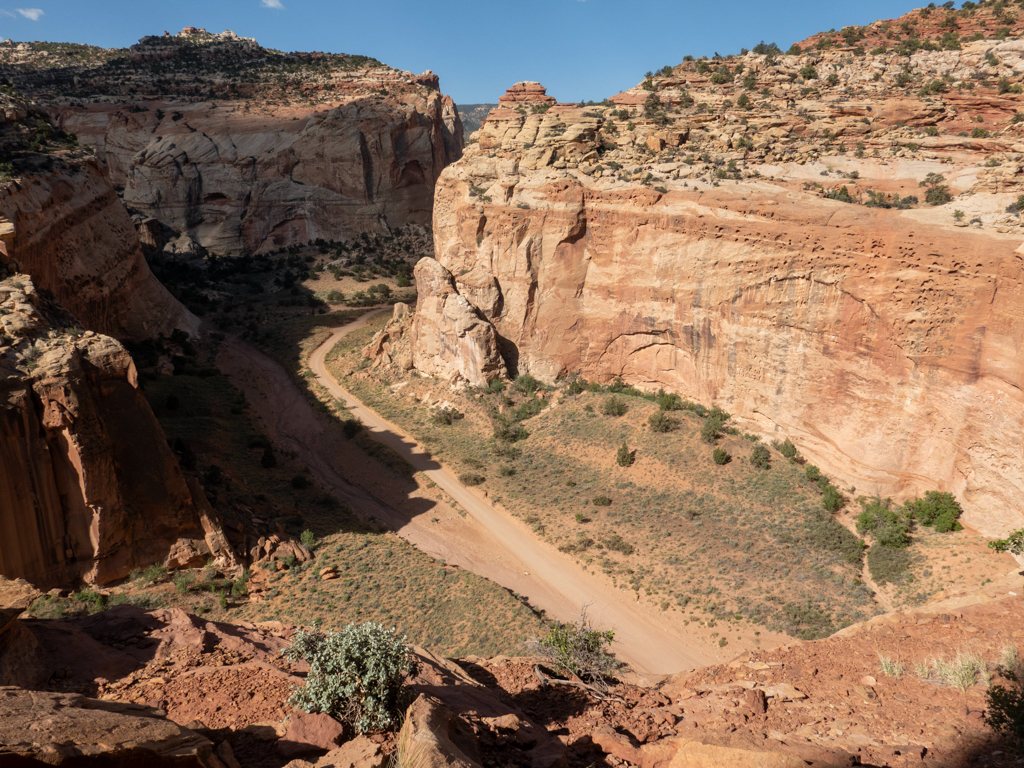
column 267, row 497
column 824, row 703
column 89, row 488
column 254, row 295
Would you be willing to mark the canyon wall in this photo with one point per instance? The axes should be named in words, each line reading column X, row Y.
column 63, row 224
column 75, row 239
column 89, row 488
column 244, row 149
column 886, row 343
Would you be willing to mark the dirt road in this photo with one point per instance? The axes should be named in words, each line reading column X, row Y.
column 487, row 542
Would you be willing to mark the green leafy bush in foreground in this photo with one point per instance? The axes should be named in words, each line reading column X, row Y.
column 355, row 675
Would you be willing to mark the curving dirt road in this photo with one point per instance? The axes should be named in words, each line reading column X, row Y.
column 487, row 542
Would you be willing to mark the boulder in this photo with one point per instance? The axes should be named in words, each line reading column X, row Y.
column 59, row 728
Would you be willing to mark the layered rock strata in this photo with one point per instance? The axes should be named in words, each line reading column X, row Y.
column 677, row 252
column 241, row 149
column 89, row 488
column 61, row 223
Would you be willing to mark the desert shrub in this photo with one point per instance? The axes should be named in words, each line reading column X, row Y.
column 1013, row 543
column 937, row 509
column 710, row 429
column 471, row 478
column 578, row 649
column 760, row 457
column 602, row 501
column 889, row 528
column 669, row 401
column 720, row 456
column 624, row 457
column 355, row 675
column 832, row 499
column 183, row 581
column 526, row 384
column 888, row 565
column 614, row 406
column 308, row 540
column 806, row 621
column 506, row 471
column 616, row 543
column 508, row 431
column 1004, row 712
column 787, row 449
column 825, row 532
column 495, row 386
column 812, row 472
column 446, row 416
column 659, row 422
column 528, row 409
column 351, row 427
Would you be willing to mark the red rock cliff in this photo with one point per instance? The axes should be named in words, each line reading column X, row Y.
column 88, row 486
column 245, row 149
column 886, row 343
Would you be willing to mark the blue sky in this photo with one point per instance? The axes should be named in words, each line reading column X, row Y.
column 579, row 49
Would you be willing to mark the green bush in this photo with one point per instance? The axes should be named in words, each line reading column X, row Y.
column 355, row 675
column 578, row 649
column 446, row 416
column 787, row 449
column 720, row 456
column 812, row 472
column 624, row 457
column 832, row 499
column 471, row 478
column 1013, row 543
column 760, row 457
column 825, row 532
column 888, row 565
column 937, row 509
column 308, row 540
column 602, row 501
column 527, row 385
column 659, row 422
column 495, row 386
column 614, row 406
column 888, row 528
column 508, row 431
column 616, row 543
column 669, row 401
column 710, row 429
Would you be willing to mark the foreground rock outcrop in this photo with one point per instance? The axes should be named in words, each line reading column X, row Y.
column 678, row 240
column 241, row 149
column 89, row 488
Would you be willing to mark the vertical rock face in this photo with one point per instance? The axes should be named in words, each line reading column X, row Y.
column 62, row 223
column 244, row 149
column 88, row 486
column 886, row 343
column 455, row 341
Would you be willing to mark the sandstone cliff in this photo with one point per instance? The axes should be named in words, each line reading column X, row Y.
column 244, row 149
column 66, row 228
column 89, row 488
column 682, row 236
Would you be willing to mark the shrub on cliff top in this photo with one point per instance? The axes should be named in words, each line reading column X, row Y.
column 355, row 675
